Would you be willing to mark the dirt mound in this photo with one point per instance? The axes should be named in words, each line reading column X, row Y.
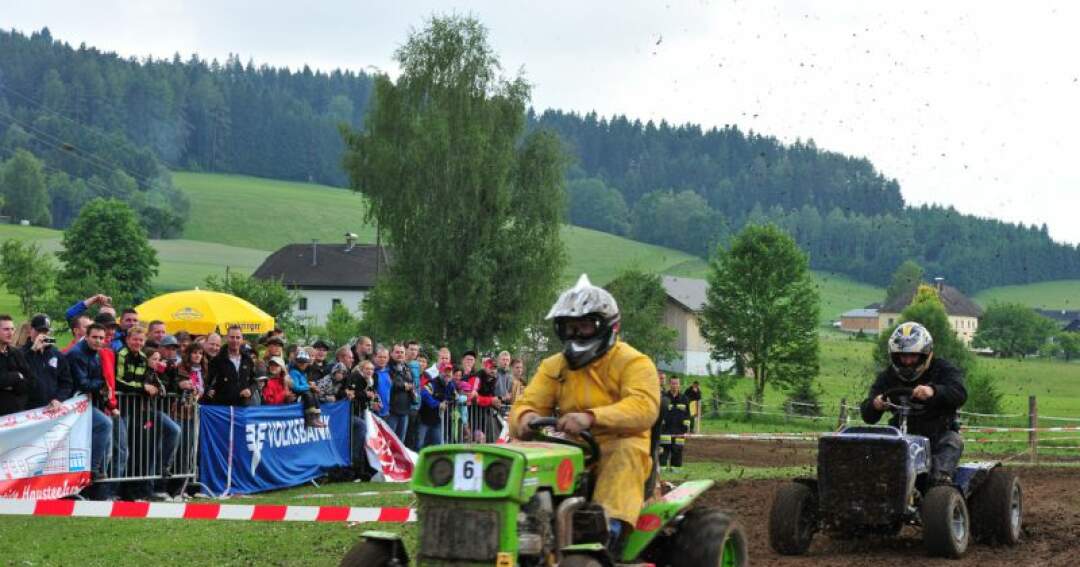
column 752, row 453
column 1051, row 525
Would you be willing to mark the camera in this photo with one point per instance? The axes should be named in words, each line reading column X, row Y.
column 49, row 340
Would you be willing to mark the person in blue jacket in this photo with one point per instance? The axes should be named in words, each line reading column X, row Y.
column 435, row 395
column 302, row 389
column 383, row 382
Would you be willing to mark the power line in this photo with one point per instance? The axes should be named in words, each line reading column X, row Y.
column 68, row 146
column 64, row 146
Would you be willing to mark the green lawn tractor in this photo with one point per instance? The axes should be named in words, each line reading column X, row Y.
column 529, row 504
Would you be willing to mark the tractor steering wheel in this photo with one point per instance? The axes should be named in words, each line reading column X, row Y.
column 900, row 398
column 591, row 449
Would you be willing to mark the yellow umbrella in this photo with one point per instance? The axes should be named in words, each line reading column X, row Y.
column 202, row 312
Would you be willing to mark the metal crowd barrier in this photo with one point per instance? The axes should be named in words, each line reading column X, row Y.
column 472, row 423
column 145, row 431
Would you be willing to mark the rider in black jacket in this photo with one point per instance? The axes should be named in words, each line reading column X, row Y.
column 936, row 384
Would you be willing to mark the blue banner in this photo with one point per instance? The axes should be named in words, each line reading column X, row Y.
column 243, row 450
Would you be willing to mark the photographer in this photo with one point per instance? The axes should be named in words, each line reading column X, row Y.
column 52, row 378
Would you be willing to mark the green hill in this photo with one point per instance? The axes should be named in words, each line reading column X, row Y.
column 184, row 263
column 1061, row 294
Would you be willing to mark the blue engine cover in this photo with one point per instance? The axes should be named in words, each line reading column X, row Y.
column 866, row 475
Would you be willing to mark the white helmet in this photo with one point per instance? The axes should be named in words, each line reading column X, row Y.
column 584, row 343
column 911, row 338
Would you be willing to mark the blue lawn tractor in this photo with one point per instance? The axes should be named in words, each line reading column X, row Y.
column 874, row 480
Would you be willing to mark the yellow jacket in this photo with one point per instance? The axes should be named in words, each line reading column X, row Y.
column 621, row 389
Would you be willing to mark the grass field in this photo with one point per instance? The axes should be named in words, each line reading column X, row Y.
column 184, row 264
column 1060, row 294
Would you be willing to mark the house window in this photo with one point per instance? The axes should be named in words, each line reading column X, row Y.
column 302, row 304
column 335, row 302
column 890, row 320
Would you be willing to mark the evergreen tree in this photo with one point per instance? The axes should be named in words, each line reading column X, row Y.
column 762, row 310
column 469, row 203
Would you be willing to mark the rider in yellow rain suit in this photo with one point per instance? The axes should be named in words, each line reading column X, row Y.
column 603, row 384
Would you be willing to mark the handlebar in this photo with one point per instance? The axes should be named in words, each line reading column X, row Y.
column 586, row 436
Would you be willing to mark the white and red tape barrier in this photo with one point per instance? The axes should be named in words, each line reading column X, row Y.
column 203, row 511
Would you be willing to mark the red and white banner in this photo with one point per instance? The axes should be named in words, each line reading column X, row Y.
column 204, row 511
column 45, row 453
column 392, row 460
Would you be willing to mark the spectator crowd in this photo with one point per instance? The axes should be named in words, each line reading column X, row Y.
column 144, row 384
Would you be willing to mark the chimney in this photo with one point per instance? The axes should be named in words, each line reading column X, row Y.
column 939, row 283
column 350, row 241
column 314, row 252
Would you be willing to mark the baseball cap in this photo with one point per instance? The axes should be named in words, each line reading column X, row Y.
column 40, row 322
column 169, row 341
column 302, row 355
column 321, row 344
column 278, row 361
column 275, row 340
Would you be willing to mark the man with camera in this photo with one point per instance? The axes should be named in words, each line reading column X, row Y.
column 52, row 378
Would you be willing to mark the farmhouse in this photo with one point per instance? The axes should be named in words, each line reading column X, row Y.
column 963, row 312
column 325, row 275
column 685, row 300
column 860, row 320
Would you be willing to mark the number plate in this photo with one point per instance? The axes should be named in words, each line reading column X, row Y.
column 469, row 472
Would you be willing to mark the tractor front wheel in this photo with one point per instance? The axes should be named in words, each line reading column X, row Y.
column 708, row 537
column 793, row 519
column 369, row 553
column 946, row 524
column 997, row 508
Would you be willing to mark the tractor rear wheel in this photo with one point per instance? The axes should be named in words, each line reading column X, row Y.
column 708, row 537
column 793, row 519
column 369, row 553
column 946, row 524
column 997, row 509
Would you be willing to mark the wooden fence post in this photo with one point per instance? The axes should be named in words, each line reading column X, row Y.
column 748, row 408
column 1033, row 424
column 843, row 413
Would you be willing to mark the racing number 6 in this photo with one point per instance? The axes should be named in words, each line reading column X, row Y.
column 467, row 467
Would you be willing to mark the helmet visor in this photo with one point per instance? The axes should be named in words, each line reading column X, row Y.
column 571, row 328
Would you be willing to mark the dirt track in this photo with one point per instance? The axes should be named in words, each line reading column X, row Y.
column 1051, row 516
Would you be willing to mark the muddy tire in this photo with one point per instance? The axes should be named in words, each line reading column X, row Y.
column 580, row 560
column 997, row 509
column 946, row 524
column 708, row 537
column 368, row 553
column 793, row 519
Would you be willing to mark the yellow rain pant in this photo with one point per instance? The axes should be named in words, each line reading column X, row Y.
column 622, row 391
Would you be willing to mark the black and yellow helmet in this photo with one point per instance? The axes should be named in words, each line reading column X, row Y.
column 911, row 338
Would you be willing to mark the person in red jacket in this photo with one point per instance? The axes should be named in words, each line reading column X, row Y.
column 278, row 389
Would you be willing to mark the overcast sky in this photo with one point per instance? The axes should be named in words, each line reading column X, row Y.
column 967, row 104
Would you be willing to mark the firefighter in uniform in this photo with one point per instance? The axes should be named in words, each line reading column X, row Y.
column 675, row 416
